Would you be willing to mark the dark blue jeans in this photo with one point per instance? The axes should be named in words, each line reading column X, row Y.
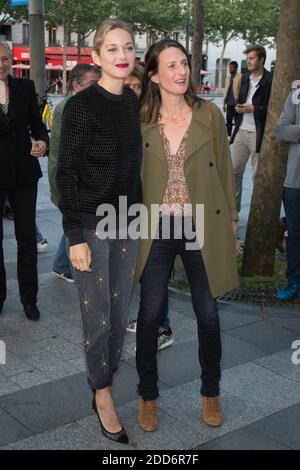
column 291, row 202
column 165, row 320
column 153, row 287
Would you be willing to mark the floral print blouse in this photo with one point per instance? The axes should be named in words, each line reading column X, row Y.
column 176, row 191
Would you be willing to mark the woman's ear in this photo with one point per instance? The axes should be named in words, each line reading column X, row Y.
column 153, row 78
column 96, row 58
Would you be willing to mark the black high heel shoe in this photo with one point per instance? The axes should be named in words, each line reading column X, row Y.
column 119, row 436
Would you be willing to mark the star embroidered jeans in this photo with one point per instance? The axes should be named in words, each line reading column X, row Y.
column 104, row 302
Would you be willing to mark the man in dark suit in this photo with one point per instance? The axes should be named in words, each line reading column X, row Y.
column 20, row 122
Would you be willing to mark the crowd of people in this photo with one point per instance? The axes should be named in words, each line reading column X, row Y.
column 140, row 134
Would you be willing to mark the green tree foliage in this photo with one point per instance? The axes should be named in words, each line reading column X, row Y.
column 155, row 17
column 256, row 21
column 81, row 16
column 260, row 21
column 9, row 14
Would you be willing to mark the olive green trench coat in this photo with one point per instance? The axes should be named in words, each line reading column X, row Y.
column 210, row 182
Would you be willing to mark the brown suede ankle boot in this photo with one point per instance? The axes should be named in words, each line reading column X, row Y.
column 147, row 415
column 211, row 411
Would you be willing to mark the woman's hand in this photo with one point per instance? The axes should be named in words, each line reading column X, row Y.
column 38, row 148
column 80, row 256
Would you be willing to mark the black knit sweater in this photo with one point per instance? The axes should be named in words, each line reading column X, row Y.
column 100, row 156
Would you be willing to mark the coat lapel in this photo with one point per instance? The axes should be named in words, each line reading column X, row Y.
column 13, row 91
column 152, row 140
column 3, row 118
column 200, row 132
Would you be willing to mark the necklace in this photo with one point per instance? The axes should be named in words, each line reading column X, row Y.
column 175, row 119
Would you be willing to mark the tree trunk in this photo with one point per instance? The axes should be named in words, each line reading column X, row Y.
column 37, row 46
column 65, row 45
column 221, row 65
column 148, row 38
column 79, row 42
column 262, row 230
column 197, row 41
column 187, row 26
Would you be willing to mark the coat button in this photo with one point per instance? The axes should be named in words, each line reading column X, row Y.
column 147, row 144
column 218, row 211
column 211, row 164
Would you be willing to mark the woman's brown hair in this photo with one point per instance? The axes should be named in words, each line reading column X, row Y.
column 150, row 100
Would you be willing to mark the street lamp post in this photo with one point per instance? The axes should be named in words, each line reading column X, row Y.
column 37, row 45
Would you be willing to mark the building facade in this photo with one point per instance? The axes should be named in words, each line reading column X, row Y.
column 18, row 34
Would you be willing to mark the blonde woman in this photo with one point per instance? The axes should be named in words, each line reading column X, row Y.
column 100, row 160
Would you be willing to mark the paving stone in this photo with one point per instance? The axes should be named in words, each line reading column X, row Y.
column 243, row 439
column 7, row 386
column 30, row 379
column 54, row 365
column 266, row 335
column 11, row 430
column 179, row 321
column 177, row 364
column 169, row 435
column 185, row 308
column 236, row 351
column 260, row 387
column 64, row 329
column 128, row 351
column 283, row 427
column 230, row 320
column 8, row 316
column 14, row 365
column 290, row 319
column 68, row 437
column 50, row 405
column 52, row 344
column 281, row 363
column 184, row 404
column 24, row 329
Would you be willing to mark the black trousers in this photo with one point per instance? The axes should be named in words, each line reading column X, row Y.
column 231, row 115
column 154, row 282
column 23, row 204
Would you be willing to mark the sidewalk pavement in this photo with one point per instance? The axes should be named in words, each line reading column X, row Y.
column 45, row 402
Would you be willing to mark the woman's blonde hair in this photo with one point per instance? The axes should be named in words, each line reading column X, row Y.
column 106, row 27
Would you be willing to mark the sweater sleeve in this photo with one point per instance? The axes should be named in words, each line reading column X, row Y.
column 74, row 139
column 53, row 152
column 38, row 129
column 288, row 131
